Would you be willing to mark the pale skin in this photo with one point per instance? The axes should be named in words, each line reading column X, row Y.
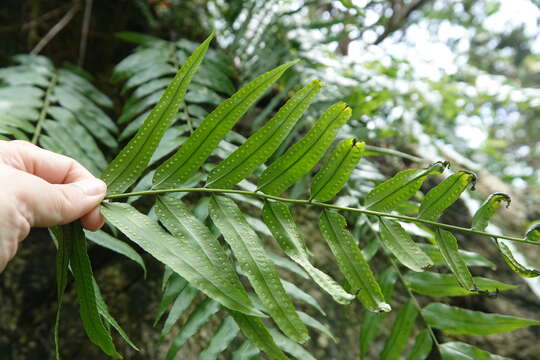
column 39, row 188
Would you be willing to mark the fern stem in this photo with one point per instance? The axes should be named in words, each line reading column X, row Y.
column 416, row 304
column 397, row 153
column 44, row 109
column 403, row 218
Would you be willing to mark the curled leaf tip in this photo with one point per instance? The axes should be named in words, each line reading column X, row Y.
column 501, row 197
column 533, row 233
column 384, row 307
column 440, row 165
column 474, row 178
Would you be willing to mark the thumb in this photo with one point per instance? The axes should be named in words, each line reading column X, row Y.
column 65, row 203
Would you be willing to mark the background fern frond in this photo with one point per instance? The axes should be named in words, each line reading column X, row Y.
column 57, row 108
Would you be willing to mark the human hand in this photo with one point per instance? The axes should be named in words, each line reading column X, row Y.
column 42, row 188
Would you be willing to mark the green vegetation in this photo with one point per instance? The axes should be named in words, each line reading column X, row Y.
column 219, row 150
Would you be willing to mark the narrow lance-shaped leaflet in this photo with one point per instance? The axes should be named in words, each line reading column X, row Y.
column 331, row 178
column 317, row 325
column 187, row 261
column 456, row 350
column 445, row 194
column 60, row 237
column 263, row 143
column 183, row 301
column 130, row 163
column 444, row 285
column 289, row 346
column 448, row 246
column 403, row 325
column 400, row 243
column 184, row 225
column 302, row 156
column 400, row 188
column 254, row 329
column 279, row 220
column 198, row 317
column 488, row 209
column 223, row 336
column 82, row 272
column 172, row 285
column 371, row 321
column 422, row 346
column 104, row 312
column 254, row 262
column 246, row 351
column 198, row 147
column 512, row 262
column 455, row 320
column 351, row 261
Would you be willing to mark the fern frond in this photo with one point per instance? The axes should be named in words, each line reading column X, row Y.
column 56, row 108
column 195, row 258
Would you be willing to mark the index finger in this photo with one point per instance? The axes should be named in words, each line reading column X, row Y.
column 51, row 167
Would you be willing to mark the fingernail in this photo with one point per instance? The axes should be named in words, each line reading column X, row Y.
column 92, row 186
